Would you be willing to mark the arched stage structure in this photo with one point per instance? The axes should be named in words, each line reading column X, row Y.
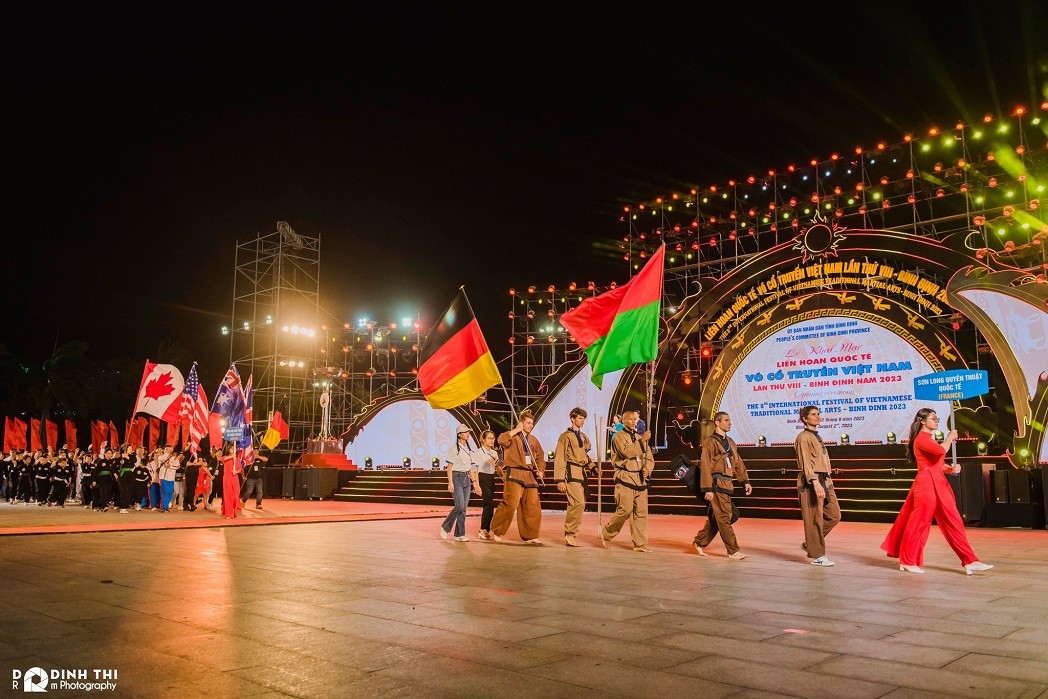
column 843, row 319
column 836, row 283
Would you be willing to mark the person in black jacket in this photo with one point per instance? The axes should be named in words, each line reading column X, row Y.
column 103, row 481
column 140, row 478
column 216, row 467
column 253, row 479
column 123, row 468
column 42, row 478
column 88, row 492
column 61, row 477
column 193, row 465
column 24, row 477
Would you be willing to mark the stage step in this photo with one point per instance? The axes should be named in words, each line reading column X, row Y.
column 869, row 490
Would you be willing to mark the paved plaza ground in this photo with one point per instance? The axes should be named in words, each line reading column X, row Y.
column 324, row 599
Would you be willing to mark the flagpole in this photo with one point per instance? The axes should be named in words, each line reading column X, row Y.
column 512, row 409
column 599, row 447
column 145, row 373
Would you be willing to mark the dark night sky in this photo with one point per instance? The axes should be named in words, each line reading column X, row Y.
column 491, row 146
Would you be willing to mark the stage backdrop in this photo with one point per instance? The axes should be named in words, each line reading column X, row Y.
column 858, row 373
column 409, row 427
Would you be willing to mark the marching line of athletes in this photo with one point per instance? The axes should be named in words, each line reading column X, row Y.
column 126, row 478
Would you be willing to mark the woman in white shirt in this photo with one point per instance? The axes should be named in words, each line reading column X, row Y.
column 462, row 473
column 169, row 464
column 487, row 459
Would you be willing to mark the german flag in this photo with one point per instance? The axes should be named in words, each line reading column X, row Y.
column 456, row 364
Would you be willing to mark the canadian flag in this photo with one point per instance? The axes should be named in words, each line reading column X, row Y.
column 161, row 391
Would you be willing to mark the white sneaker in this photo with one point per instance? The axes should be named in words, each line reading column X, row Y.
column 461, row 538
column 911, row 569
column 124, row 511
column 138, row 508
column 698, row 549
column 483, row 535
column 822, row 561
column 976, row 567
column 444, row 534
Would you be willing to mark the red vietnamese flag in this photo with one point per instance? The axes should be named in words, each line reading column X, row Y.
column 114, row 436
column 52, row 435
column 34, row 434
column 70, row 432
column 14, row 434
column 98, row 435
column 136, row 434
column 456, row 365
column 8, row 433
column 620, row 327
column 172, row 434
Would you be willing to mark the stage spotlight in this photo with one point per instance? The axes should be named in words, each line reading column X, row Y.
column 845, row 439
column 407, row 462
column 762, row 441
column 705, row 350
column 981, row 448
column 891, row 438
column 435, row 463
column 368, row 463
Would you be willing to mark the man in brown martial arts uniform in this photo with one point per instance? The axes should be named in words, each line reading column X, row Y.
column 719, row 464
column 524, row 462
column 633, row 462
column 571, row 465
column 819, row 509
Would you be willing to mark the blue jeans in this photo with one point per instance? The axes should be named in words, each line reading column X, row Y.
column 167, row 490
column 457, row 516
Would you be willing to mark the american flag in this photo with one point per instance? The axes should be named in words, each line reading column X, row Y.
column 194, row 410
column 249, row 436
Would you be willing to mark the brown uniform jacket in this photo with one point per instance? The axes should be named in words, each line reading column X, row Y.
column 514, row 463
column 714, row 473
column 571, row 460
column 632, row 459
column 812, row 459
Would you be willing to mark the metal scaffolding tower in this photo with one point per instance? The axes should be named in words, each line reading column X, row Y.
column 274, row 333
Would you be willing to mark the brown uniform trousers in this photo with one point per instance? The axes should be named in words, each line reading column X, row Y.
column 571, row 461
column 520, row 495
column 715, row 476
column 633, row 463
column 819, row 515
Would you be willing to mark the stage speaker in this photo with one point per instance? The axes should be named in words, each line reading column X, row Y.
column 969, row 488
column 1000, row 487
column 1020, row 486
column 1044, row 490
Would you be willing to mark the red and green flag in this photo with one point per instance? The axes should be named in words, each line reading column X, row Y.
column 620, row 327
column 456, row 365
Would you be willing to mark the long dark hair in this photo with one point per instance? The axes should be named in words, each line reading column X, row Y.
column 915, row 429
